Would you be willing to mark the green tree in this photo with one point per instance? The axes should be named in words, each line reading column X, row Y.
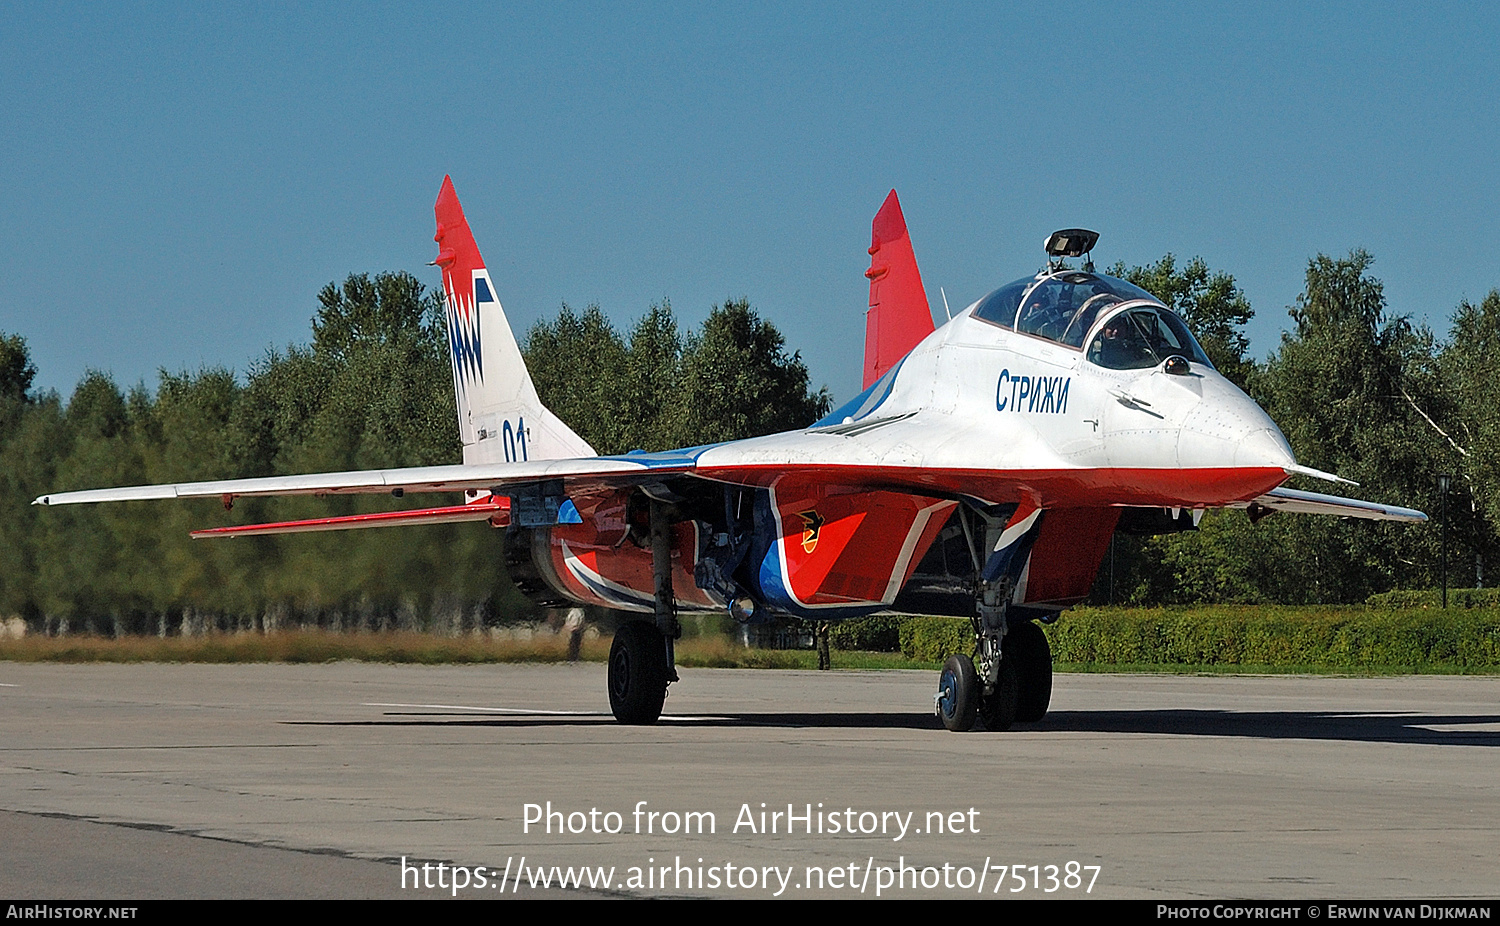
column 1349, row 387
column 30, row 448
column 16, row 370
column 90, row 557
column 364, row 314
column 1470, row 367
column 374, row 391
column 732, row 379
column 651, row 386
column 739, row 382
column 577, row 363
column 1209, row 301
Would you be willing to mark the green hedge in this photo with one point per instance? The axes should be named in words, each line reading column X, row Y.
column 1333, row 638
column 934, row 639
column 1465, row 598
column 878, row 634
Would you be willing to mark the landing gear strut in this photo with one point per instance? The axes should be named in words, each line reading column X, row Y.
column 999, row 685
column 641, row 660
column 1009, row 678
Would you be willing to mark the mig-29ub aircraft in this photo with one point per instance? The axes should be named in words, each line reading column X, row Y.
column 981, row 473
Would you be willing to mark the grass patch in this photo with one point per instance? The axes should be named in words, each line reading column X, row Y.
column 313, row 646
column 299, row 646
column 1347, row 640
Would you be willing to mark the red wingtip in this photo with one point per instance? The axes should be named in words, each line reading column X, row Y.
column 899, row 317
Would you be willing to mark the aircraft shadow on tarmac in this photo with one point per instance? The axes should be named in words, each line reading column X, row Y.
column 1410, row 728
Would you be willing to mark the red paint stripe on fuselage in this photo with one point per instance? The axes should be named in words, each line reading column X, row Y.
column 1101, row 487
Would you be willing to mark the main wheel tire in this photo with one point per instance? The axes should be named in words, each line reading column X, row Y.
column 958, row 694
column 998, row 710
column 1033, row 657
column 637, row 673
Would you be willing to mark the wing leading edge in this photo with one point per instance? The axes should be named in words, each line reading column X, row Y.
column 454, row 478
column 497, row 512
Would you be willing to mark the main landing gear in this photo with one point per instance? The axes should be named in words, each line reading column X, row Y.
column 641, row 658
column 638, row 673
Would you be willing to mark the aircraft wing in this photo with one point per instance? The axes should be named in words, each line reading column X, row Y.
column 867, row 453
column 1282, row 499
column 455, row 478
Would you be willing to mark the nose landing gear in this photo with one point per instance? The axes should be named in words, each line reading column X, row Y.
column 1021, row 692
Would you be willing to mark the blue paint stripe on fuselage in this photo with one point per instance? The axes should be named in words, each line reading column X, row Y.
column 664, row 459
column 865, row 403
column 771, row 585
column 640, row 600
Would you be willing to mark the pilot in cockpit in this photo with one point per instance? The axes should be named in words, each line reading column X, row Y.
column 1109, row 349
column 1121, row 346
column 1048, row 313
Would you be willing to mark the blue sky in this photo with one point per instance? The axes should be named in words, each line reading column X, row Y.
column 180, row 181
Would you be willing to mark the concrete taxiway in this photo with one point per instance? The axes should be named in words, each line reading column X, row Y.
column 156, row 781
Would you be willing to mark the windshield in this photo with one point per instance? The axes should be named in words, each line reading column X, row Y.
column 1143, row 337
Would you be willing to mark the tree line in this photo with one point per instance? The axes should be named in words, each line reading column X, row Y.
column 1358, row 389
column 372, row 390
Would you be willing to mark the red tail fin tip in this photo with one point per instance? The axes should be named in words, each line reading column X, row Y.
column 899, row 316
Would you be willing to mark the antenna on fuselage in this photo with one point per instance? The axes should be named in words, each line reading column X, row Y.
column 946, row 310
column 1070, row 242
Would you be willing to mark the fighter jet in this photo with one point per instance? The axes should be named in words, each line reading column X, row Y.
column 980, row 473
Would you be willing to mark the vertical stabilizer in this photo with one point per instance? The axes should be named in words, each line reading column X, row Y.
column 899, row 317
column 500, row 418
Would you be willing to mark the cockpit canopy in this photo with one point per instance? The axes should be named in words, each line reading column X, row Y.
column 1143, row 336
column 1064, row 306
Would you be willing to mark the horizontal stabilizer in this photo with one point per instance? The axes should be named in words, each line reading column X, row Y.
column 1313, row 503
column 496, row 512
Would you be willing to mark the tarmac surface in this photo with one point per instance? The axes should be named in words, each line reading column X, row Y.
column 276, row 781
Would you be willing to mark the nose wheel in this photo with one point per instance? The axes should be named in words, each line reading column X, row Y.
column 1022, row 689
column 957, row 700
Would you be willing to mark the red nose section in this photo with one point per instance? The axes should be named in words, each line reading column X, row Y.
column 899, row 317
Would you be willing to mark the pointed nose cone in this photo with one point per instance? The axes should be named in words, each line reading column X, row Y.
column 1228, row 429
column 1264, row 447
